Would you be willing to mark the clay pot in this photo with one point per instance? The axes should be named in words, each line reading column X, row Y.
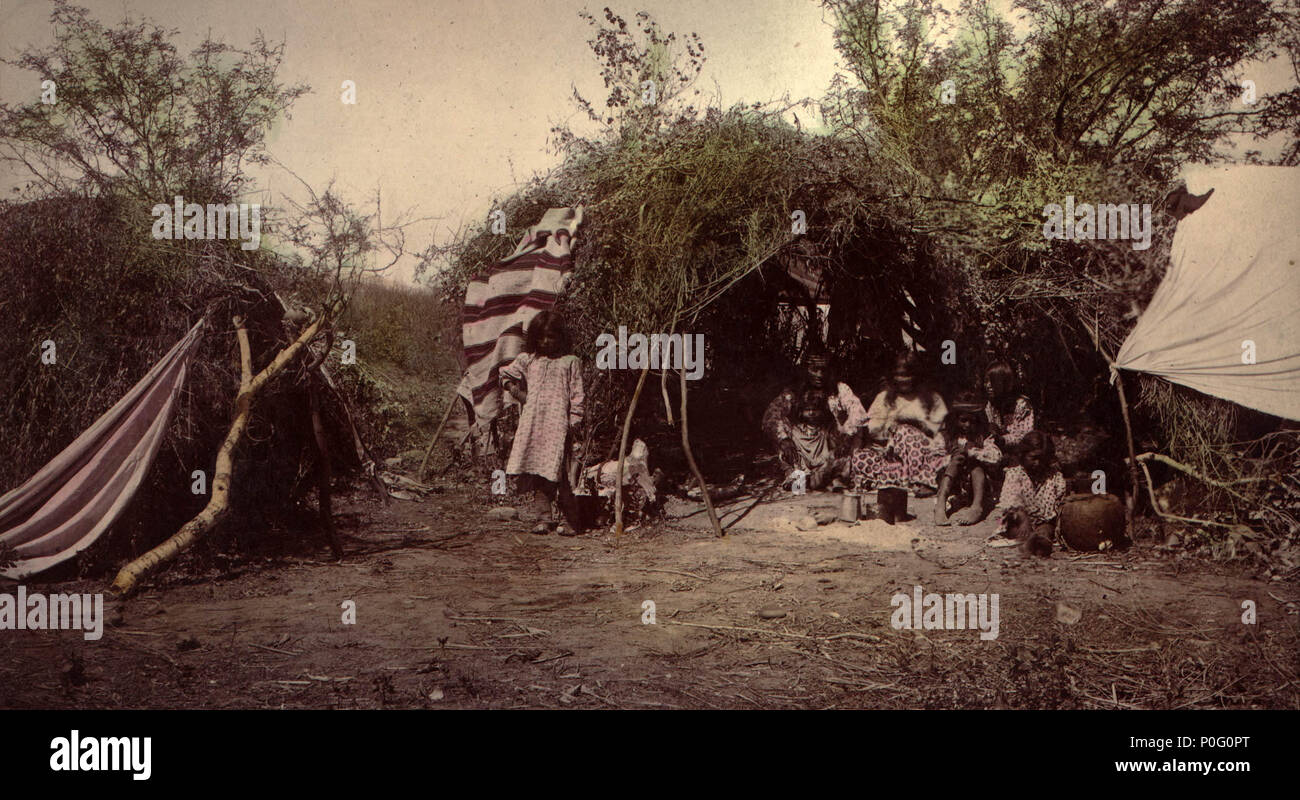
column 1089, row 520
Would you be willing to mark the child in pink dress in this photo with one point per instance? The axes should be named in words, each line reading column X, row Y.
column 547, row 381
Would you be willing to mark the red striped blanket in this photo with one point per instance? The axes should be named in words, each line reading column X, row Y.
column 501, row 302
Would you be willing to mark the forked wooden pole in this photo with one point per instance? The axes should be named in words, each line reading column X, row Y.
column 622, row 452
column 219, row 503
column 695, row 468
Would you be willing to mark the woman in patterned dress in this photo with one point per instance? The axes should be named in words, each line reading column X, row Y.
column 547, row 381
column 904, row 422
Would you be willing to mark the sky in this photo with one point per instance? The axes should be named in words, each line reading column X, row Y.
column 455, row 100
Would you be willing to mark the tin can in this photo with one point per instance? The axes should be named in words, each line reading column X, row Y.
column 850, row 506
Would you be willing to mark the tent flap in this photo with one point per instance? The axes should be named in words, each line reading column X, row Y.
column 1226, row 318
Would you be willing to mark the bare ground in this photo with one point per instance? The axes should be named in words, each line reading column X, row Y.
column 454, row 610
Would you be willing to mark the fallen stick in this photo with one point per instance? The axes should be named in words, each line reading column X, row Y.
column 277, row 650
column 1156, row 508
column 670, row 572
column 748, row 630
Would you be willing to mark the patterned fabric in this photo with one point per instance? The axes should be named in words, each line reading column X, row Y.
column 500, row 303
column 1017, row 424
column 910, row 459
column 844, row 406
column 987, row 452
column 1042, row 503
column 554, row 405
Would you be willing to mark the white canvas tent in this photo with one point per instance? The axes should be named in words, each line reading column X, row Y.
column 1231, row 294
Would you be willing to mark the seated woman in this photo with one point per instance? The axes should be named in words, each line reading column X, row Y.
column 1032, row 494
column 903, row 422
column 814, row 424
column 971, row 453
column 1009, row 414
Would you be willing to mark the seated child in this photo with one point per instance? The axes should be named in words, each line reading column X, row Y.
column 1033, row 491
column 970, row 453
column 811, row 424
column 1009, row 414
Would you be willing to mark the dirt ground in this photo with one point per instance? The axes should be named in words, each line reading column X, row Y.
column 454, row 609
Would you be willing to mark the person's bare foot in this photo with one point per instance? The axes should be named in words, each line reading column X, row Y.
column 940, row 518
column 966, row 516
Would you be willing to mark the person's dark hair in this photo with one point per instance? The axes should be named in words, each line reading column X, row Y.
column 1038, row 441
column 546, row 321
column 910, row 363
column 1002, row 381
column 970, row 403
column 815, row 352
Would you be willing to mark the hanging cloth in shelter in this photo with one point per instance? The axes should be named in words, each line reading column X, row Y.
column 500, row 303
column 79, row 494
column 1231, row 294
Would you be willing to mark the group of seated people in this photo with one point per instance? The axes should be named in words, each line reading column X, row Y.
column 909, row 439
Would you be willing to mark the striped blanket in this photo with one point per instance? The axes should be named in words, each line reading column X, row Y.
column 66, row 506
column 500, row 303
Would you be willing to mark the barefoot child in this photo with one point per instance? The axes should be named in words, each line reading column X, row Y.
column 971, row 453
column 547, row 381
column 1035, row 488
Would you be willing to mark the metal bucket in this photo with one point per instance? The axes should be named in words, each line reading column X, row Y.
column 850, row 506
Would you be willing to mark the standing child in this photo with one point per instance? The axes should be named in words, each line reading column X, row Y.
column 547, row 381
column 971, row 453
column 1032, row 494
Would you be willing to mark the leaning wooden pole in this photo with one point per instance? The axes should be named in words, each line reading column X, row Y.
column 622, row 451
column 1131, row 506
column 695, row 468
column 219, row 503
column 1117, row 377
column 434, row 441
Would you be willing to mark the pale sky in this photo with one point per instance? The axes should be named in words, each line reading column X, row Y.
column 455, row 101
